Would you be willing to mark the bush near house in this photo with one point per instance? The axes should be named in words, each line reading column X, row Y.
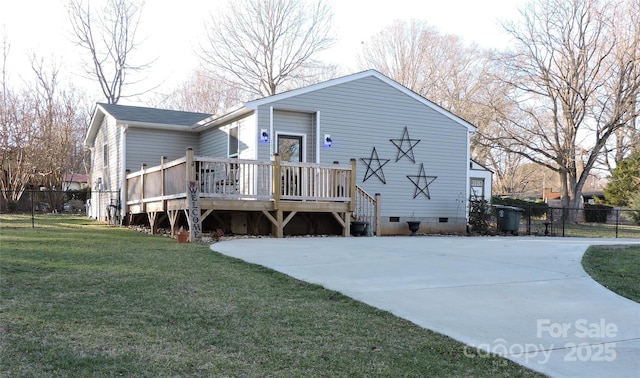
column 80, row 195
column 634, row 213
column 596, row 213
column 479, row 216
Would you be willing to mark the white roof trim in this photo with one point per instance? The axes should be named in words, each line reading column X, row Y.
column 96, row 120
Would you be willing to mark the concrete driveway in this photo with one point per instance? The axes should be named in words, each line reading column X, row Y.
column 527, row 299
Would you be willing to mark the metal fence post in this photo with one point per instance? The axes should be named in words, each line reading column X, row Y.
column 33, row 211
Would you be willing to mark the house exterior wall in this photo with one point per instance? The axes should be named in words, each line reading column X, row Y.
column 367, row 113
column 215, row 142
column 149, row 145
column 299, row 124
column 105, row 173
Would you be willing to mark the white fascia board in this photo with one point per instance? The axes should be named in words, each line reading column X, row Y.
column 214, row 121
column 98, row 115
column 156, row 126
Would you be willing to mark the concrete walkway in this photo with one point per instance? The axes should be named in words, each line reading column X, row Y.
column 524, row 298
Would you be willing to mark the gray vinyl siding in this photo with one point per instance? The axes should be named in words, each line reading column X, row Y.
column 149, row 145
column 214, row 142
column 108, row 137
column 296, row 123
column 366, row 113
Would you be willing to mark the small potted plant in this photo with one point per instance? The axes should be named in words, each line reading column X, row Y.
column 182, row 236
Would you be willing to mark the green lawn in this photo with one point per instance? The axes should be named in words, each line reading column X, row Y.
column 616, row 268
column 83, row 299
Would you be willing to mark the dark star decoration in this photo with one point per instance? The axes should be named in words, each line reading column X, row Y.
column 408, row 152
column 418, row 180
column 378, row 171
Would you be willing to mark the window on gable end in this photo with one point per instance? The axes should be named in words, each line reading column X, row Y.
column 105, row 155
column 234, row 142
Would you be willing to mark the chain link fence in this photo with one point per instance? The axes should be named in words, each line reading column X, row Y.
column 591, row 221
column 535, row 219
column 101, row 205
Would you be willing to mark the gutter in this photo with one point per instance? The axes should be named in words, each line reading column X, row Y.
column 123, row 173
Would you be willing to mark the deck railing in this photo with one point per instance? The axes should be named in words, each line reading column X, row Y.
column 241, row 179
column 367, row 209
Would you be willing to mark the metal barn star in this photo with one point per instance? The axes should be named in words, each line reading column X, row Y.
column 421, row 182
column 400, row 144
column 378, row 171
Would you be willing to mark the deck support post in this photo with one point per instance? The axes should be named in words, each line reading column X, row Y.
column 279, row 225
column 352, row 184
column 377, row 213
column 152, row 221
column 191, row 166
column 343, row 220
column 288, row 218
column 173, row 216
column 163, row 160
column 142, row 169
column 277, row 192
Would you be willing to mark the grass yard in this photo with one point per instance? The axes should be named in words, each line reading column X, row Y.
column 84, row 299
column 616, row 268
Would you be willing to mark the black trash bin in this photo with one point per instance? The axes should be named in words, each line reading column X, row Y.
column 508, row 218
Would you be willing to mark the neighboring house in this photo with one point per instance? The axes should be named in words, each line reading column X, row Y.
column 550, row 195
column 74, row 181
column 308, row 160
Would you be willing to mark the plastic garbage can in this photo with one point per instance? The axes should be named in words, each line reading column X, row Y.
column 508, row 218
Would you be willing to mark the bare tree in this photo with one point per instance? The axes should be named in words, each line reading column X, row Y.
column 42, row 130
column 575, row 74
column 625, row 140
column 60, row 122
column 460, row 77
column 109, row 38
column 18, row 145
column 202, row 92
column 266, row 46
column 16, row 140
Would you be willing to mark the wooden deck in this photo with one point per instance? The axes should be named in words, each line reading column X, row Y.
column 200, row 186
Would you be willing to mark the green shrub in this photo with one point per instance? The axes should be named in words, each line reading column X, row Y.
column 596, row 213
column 12, row 206
column 479, row 214
column 634, row 203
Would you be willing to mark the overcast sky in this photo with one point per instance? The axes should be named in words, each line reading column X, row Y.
column 171, row 30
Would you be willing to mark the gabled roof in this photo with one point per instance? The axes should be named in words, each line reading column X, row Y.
column 188, row 121
column 482, row 167
column 253, row 105
column 137, row 114
column 142, row 117
column 345, row 79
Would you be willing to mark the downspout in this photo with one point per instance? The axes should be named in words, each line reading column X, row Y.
column 468, row 180
column 271, row 135
column 123, row 172
column 318, row 141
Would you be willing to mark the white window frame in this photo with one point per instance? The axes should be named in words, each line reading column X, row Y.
column 304, row 142
column 105, row 155
column 237, row 129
